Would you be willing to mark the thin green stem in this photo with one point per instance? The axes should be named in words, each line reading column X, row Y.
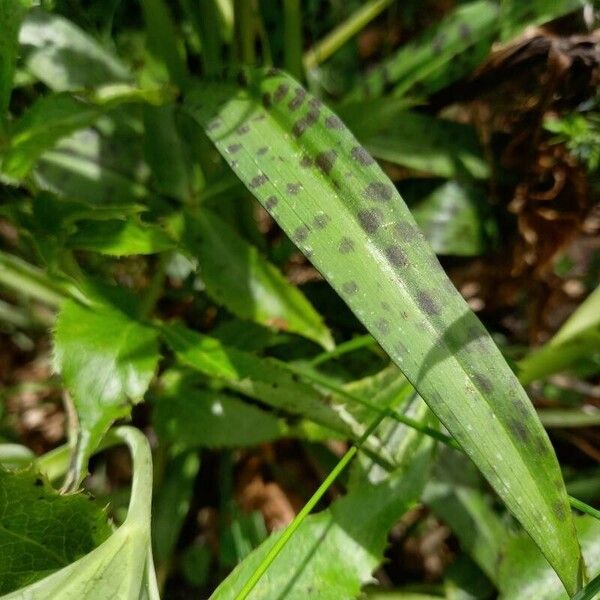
column 306, row 510
column 394, row 414
column 292, row 20
column 244, row 31
column 361, row 341
column 584, row 508
column 323, row 49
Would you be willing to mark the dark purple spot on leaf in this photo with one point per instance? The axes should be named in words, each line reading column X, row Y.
column 300, row 233
column 333, row 122
column 233, row 148
column 350, row 287
column 369, row 220
column 296, row 102
column 315, row 103
column 306, row 161
column 381, row 192
column 483, row 383
column 396, row 256
column 383, row 325
column 346, row 245
column 293, row 188
column 214, row 124
column 438, row 43
column 301, row 125
column 427, row 304
column 519, row 430
column 261, row 151
column 362, row 156
column 464, row 31
column 405, row 231
column 326, row 160
column 271, row 202
column 280, row 92
column 258, row 180
column 320, row 221
column 243, row 129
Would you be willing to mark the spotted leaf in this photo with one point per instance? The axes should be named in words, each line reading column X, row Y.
column 356, row 229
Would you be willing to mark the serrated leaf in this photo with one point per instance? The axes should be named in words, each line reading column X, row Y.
column 526, row 575
column 443, row 54
column 237, row 276
column 106, row 359
column 196, row 418
column 121, row 567
column 264, row 379
column 49, row 119
column 333, row 553
column 64, row 57
column 120, row 238
column 340, row 209
column 41, row 530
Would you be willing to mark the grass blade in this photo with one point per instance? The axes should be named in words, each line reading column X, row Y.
column 340, row 209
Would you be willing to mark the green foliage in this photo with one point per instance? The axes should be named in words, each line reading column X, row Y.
column 344, row 200
column 107, row 359
column 42, row 531
column 132, row 149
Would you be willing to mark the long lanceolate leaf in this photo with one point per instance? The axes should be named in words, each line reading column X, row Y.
column 337, row 205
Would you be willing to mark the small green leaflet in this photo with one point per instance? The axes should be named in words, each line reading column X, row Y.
column 332, row 199
column 334, row 552
column 237, row 276
column 106, row 358
column 41, row 530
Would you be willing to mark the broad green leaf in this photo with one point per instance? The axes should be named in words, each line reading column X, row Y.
column 11, row 15
column 107, row 359
column 430, row 145
column 333, row 553
column 64, row 57
column 121, row 567
column 452, row 217
column 197, row 418
column 516, row 15
column 337, row 205
column 100, row 166
column 442, row 55
column 576, row 342
column 120, row 238
column 526, row 575
column 49, row 119
column 264, row 379
column 454, row 494
column 236, row 275
column 41, row 530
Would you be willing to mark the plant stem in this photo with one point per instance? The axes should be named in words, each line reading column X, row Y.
column 292, row 20
column 394, row 414
column 323, row 49
column 361, row 341
column 584, row 508
column 244, row 31
column 299, row 518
